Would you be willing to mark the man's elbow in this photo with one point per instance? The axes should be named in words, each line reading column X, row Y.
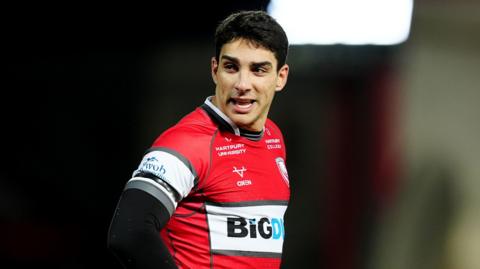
column 118, row 245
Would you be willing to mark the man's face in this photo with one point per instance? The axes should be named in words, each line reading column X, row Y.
column 246, row 80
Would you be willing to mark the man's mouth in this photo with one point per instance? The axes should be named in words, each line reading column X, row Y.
column 242, row 105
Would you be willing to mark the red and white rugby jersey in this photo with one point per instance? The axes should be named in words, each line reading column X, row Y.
column 233, row 187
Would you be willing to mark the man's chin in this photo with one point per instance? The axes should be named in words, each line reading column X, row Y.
column 241, row 120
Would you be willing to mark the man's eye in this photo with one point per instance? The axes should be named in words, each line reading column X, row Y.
column 260, row 70
column 230, row 67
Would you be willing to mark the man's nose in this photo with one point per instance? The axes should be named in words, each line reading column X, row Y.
column 243, row 83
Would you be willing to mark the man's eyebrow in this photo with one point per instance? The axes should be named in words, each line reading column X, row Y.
column 262, row 64
column 231, row 59
column 259, row 64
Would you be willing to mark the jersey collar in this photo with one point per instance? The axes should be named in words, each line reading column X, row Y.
column 226, row 123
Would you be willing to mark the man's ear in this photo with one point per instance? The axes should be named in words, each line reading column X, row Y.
column 214, row 69
column 282, row 77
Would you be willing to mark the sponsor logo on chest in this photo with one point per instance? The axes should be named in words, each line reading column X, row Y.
column 273, row 143
column 231, row 149
column 251, row 228
column 241, row 182
column 267, row 228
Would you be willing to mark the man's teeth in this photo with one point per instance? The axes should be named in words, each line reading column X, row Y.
column 244, row 105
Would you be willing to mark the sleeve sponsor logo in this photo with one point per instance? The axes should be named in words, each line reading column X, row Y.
column 152, row 165
column 170, row 169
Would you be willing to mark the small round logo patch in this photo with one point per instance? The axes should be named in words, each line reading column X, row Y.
column 283, row 169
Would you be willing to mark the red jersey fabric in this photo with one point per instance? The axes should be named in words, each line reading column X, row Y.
column 233, row 187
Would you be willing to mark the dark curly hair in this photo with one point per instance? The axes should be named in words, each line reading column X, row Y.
column 257, row 27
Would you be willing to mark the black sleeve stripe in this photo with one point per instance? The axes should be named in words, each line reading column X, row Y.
column 147, row 185
column 160, row 181
column 182, row 158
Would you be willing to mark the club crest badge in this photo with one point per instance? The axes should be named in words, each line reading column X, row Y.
column 282, row 168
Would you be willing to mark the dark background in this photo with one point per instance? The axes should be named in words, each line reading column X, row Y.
column 89, row 86
column 77, row 76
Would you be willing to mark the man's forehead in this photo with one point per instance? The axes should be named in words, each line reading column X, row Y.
column 244, row 51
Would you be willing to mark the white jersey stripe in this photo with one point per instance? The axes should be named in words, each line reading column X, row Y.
column 170, row 169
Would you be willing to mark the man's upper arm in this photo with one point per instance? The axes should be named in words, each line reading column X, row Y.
column 164, row 174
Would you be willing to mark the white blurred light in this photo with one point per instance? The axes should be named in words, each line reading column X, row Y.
column 351, row 22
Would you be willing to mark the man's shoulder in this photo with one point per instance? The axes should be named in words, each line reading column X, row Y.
column 272, row 127
column 196, row 122
column 194, row 126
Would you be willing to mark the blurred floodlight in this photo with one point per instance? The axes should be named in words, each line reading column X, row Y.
column 351, row 22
